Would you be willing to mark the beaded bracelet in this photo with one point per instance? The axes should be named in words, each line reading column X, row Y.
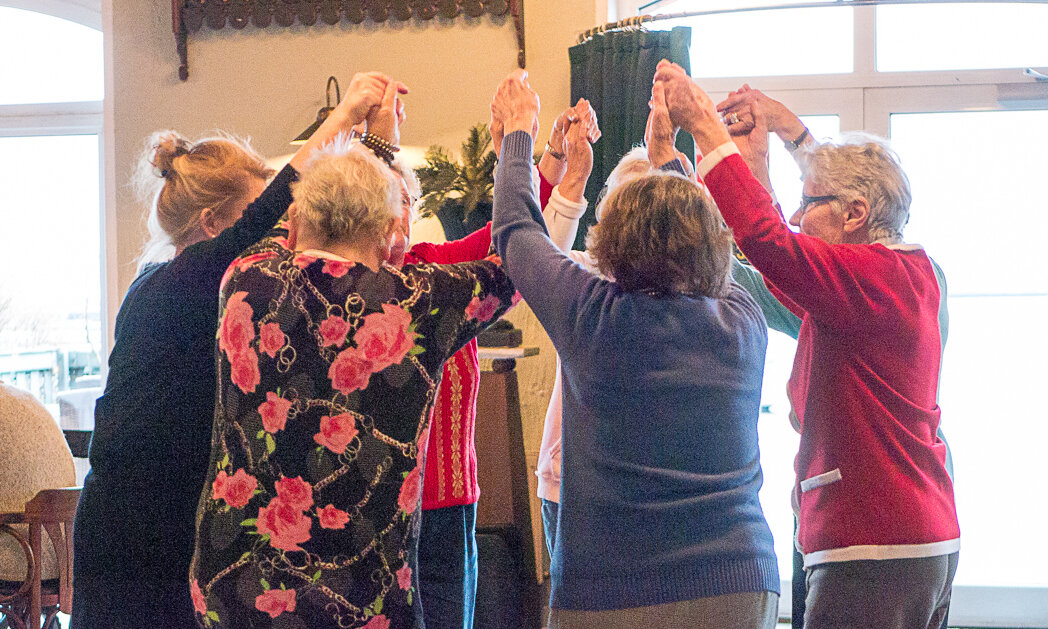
column 380, row 146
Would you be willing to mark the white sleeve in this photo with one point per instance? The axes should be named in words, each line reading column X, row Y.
column 562, row 219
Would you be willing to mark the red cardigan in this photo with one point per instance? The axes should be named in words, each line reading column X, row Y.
column 871, row 474
column 451, row 460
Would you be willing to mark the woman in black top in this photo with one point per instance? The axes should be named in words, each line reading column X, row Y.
column 135, row 524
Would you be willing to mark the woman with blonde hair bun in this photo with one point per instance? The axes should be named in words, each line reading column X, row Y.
column 134, row 527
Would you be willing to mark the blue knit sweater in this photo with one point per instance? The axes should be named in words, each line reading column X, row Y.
column 660, row 463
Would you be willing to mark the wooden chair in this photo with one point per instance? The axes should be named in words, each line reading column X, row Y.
column 24, row 605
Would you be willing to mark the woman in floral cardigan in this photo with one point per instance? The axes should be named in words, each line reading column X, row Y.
column 328, row 362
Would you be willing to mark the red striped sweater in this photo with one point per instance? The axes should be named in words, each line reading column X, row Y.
column 451, row 461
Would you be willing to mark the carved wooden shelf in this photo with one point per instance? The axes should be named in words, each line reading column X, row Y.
column 189, row 16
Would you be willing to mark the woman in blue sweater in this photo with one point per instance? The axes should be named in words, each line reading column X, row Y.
column 660, row 524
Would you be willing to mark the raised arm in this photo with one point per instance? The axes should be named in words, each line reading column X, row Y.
column 553, row 285
column 839, row 284
column 365, row 92
column 567, row 203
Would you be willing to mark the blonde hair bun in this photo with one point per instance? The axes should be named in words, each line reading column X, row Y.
column 167, row 146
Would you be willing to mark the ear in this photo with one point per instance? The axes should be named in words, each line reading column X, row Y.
column 209, row 222
column 292, row 226
column 856, row 216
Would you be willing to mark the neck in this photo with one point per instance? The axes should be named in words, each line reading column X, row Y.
column 370, row 256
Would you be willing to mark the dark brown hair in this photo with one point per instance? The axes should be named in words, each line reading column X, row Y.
column 662, row 234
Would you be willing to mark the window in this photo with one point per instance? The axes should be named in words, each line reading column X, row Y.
column 52, row 337
column 945, row 84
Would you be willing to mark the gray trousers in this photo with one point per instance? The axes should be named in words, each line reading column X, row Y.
column 746, row 610
column 880, row 594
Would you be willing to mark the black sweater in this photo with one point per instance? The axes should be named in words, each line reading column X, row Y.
column 153, row 424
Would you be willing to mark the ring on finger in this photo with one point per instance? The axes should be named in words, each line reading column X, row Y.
column 733, row 118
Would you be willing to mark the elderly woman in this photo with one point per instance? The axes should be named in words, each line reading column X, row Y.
column 660, row 524
column 134, row 526
column 329, row 361
column 877, row 522
column 447, row 558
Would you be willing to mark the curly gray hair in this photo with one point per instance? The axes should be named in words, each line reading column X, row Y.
column 864, row 165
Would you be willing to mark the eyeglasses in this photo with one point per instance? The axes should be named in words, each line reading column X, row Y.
column 807, row 201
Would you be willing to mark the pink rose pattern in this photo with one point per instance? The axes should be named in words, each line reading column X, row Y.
column 410, row 491
column 333, row 330
column 378, row 622
column 286, row 526
column 384, row 339
column 199, row 603
column 274, row 412
column 275, row 602
column 295, row 492
column 261, row 450
column 483, row 310
column 271, row 339
column 337, row 432
column 236, row 490
column 331, row 517
column 336, row 268
column 404, row 577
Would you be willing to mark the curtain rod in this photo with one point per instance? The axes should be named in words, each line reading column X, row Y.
column 638, row 20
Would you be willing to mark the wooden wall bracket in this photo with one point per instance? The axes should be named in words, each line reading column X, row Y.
column 189, row 16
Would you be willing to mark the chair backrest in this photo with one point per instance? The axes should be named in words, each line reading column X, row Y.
column 53, row 510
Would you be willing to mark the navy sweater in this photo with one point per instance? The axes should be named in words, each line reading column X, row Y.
column 152, row 437
column 661, row 467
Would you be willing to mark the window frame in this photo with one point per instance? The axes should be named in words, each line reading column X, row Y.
column 75, row 118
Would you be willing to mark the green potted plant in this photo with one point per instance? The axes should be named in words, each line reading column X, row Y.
column 459, row 193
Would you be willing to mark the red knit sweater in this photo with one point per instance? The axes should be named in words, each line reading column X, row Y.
column 451, row 460
column 871, row 475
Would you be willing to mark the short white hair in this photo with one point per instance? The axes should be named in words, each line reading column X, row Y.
column 346, row 194
column 633, row 165
column 863, row 165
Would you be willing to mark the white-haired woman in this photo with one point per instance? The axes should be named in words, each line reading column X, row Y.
column 877, row 523
column 134, row 526
column 329, row 361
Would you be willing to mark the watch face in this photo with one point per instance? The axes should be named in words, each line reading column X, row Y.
column 739, row 255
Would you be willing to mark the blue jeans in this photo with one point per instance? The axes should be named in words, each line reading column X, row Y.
column 549, row 523
column 447, row 566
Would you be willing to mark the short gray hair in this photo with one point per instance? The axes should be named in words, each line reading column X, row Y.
column 633, row 165
column 864, row 165
column 346, row 194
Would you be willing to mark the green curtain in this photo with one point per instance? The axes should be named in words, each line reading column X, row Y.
column 614, row 72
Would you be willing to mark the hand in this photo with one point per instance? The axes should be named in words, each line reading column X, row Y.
column 690, row 108
column 366, row 91
column 384, row 119
column 780, row 119
column 584, row 113
column 497, row 131
column 754, row 145
column 517, row 105
column 579, row 154
column 660, row 134
column 560, row 127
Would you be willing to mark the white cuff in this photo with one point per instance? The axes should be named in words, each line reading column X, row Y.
column 568, row 209
column 715, row 157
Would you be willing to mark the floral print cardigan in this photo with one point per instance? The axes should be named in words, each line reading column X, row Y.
column 327, row 372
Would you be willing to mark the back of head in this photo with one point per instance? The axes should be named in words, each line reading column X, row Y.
column 861, row 164
column 347, row 195
column 662, row 234
column 181, row 178
column 632, row 165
